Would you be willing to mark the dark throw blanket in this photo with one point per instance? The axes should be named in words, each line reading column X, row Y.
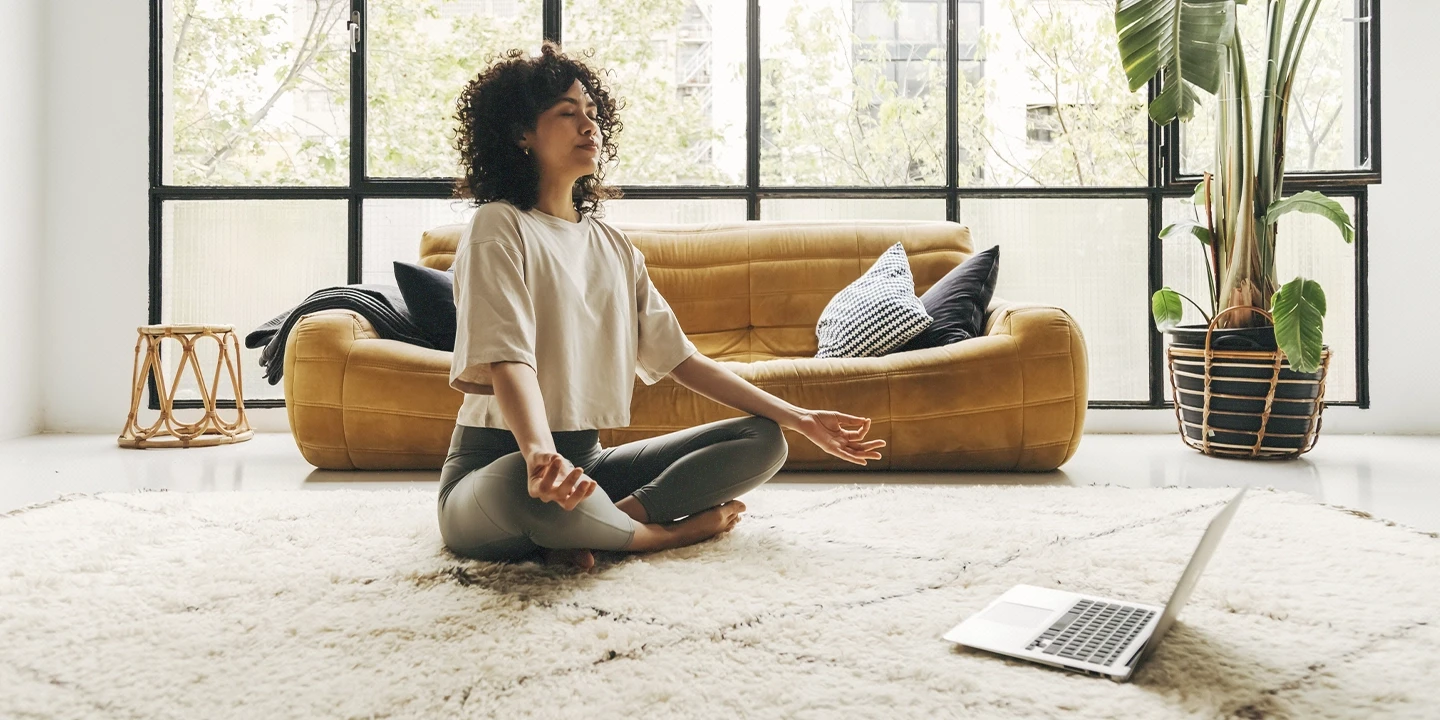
column 382, row 305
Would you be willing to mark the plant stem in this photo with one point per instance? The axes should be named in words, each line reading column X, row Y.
column 1197, row 306
column 1212, row 252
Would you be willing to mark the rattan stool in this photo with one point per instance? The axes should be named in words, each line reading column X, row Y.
column 208, row 430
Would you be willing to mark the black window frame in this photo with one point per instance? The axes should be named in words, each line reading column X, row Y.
column 1163, row 182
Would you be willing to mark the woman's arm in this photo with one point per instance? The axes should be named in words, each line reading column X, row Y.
column 549, row 476
column 719, row 383
column 826, row 428
column 517, row 390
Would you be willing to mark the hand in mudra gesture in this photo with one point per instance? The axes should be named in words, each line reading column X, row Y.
column 553, row 479
column 828, row 430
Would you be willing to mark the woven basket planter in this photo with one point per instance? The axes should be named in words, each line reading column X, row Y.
column 1244, row 403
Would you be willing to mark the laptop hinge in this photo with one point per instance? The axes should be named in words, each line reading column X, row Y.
column 1138, row 651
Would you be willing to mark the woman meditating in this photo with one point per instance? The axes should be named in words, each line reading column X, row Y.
column 556, row 316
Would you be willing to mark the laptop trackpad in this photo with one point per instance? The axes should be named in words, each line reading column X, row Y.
column 1008, row 613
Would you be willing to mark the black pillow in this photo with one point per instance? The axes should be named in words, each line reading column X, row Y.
column 430, row 296
column 958, row 302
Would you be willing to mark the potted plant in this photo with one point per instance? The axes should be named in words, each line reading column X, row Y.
column 1250, row 382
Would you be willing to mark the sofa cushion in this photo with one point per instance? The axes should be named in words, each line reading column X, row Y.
column 430, row 296
column 958, row 302
column 874, row 314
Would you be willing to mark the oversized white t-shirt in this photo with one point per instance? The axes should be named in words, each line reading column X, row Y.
column 572, row 300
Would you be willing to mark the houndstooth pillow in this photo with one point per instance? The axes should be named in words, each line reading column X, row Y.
column 876, row 313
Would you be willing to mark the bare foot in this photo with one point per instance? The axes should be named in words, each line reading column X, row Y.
column 713, row 521
column 580, row 558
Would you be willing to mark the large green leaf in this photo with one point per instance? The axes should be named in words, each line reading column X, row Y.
column 1182, row 38
column 1200, row 232
column 1299, row 311
column 1317, row 204
column 1165, row 306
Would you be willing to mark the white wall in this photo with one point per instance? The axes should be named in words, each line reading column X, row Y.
column 95, row 260
column 1404, row 253
column 20, row 216
column 96, row 254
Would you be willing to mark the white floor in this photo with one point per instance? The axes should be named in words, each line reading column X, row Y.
column 1392, row 477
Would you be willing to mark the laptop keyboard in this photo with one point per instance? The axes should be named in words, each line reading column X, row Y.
column 1093, row 632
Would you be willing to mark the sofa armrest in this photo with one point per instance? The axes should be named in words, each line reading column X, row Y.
column 1039, row 328
column 1054, row 361
column 317, row 354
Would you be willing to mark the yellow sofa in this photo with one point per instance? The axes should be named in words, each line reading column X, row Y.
column 748, row 294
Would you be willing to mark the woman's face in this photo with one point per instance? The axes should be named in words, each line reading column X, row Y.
column 566, row 140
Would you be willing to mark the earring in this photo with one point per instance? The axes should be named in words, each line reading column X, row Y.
column 527, row 151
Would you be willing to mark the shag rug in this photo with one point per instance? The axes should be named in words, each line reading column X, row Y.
column 819, row 604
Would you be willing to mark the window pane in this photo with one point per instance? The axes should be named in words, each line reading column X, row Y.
column 873, row 21
column 919, row 21
column 674, row 211
column 1309, row 246
column 1059, row 58
column 852, row 209
column 681, row 71
column 1088, row 257
column 241, row 263
column 1321, row 130
column 419, row 55
column 256, row 93
column 393, row 228
column 852, row 100
column 967, row 27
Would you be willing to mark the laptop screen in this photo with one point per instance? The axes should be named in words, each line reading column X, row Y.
column 1188, row 579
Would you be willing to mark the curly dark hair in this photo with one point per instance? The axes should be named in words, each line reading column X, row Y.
column 505, row 100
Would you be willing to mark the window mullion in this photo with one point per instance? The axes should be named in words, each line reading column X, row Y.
column 752, row 109
column 355, row 250
column 952, row 110
column 1160, row 171
column 551, row 20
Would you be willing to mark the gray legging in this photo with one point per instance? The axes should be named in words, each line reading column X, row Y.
column 486, row 511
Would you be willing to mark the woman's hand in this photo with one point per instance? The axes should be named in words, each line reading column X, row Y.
column 553, row 479
column 828, row 430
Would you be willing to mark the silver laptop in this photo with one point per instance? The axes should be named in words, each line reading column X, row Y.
column 1094, row 635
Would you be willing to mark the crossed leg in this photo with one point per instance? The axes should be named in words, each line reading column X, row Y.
column 695, row 473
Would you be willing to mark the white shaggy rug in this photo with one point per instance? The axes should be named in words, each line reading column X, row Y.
column 819, row 604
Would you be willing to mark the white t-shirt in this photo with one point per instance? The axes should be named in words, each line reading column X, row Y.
column 572, row 300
